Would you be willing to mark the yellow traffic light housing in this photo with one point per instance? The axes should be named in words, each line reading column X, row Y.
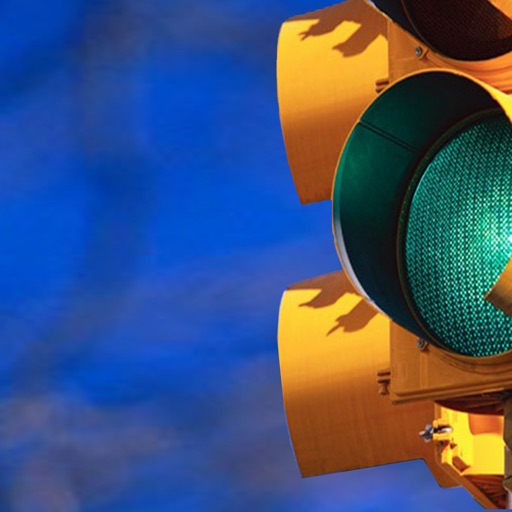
column 399, row 111
column 329, row 339
column 334, row 350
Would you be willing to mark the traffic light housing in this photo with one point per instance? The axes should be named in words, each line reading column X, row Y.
column 409, row 132
column 329, row 338
column 334, row 352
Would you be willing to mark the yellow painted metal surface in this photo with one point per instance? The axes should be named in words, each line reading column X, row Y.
column 329, row 65
column 473, row 453
column 475, row 446
column 435, row 374
column 505, row 6
column 332, row 345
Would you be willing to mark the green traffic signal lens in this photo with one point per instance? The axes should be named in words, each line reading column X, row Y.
column 457, row 238
column 422, row 210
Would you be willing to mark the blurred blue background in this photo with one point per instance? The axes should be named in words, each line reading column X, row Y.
column 149, row 225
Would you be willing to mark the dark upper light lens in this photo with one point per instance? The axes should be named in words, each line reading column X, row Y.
column 458, row 239
column 461, row 29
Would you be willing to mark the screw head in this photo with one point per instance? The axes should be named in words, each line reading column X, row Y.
column 418, row 51
column 421, row 344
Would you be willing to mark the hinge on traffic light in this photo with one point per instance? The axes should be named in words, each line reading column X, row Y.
column 383, row 380
column 381, row 84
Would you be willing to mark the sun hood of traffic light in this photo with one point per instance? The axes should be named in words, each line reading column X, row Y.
column 423, row 212
column 331, row 63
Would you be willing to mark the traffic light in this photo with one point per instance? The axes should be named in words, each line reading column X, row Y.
column 334, row 350
column 329, row 339
column 399, row 112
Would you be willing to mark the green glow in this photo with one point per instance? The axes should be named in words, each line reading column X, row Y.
column 458, row 239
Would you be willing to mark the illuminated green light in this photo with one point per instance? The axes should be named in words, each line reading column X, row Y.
column 422, row 210
column 456, row 239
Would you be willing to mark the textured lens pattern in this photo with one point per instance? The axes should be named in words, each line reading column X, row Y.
column 462, row 29
column 458, row 239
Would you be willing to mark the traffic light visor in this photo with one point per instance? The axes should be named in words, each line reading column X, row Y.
column 329, row 63
column 423, row 209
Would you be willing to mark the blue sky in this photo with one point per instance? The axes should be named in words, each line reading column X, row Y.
column 149, row 226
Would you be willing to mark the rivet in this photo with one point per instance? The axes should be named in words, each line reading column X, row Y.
column 418, row 51
column 421, row 344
